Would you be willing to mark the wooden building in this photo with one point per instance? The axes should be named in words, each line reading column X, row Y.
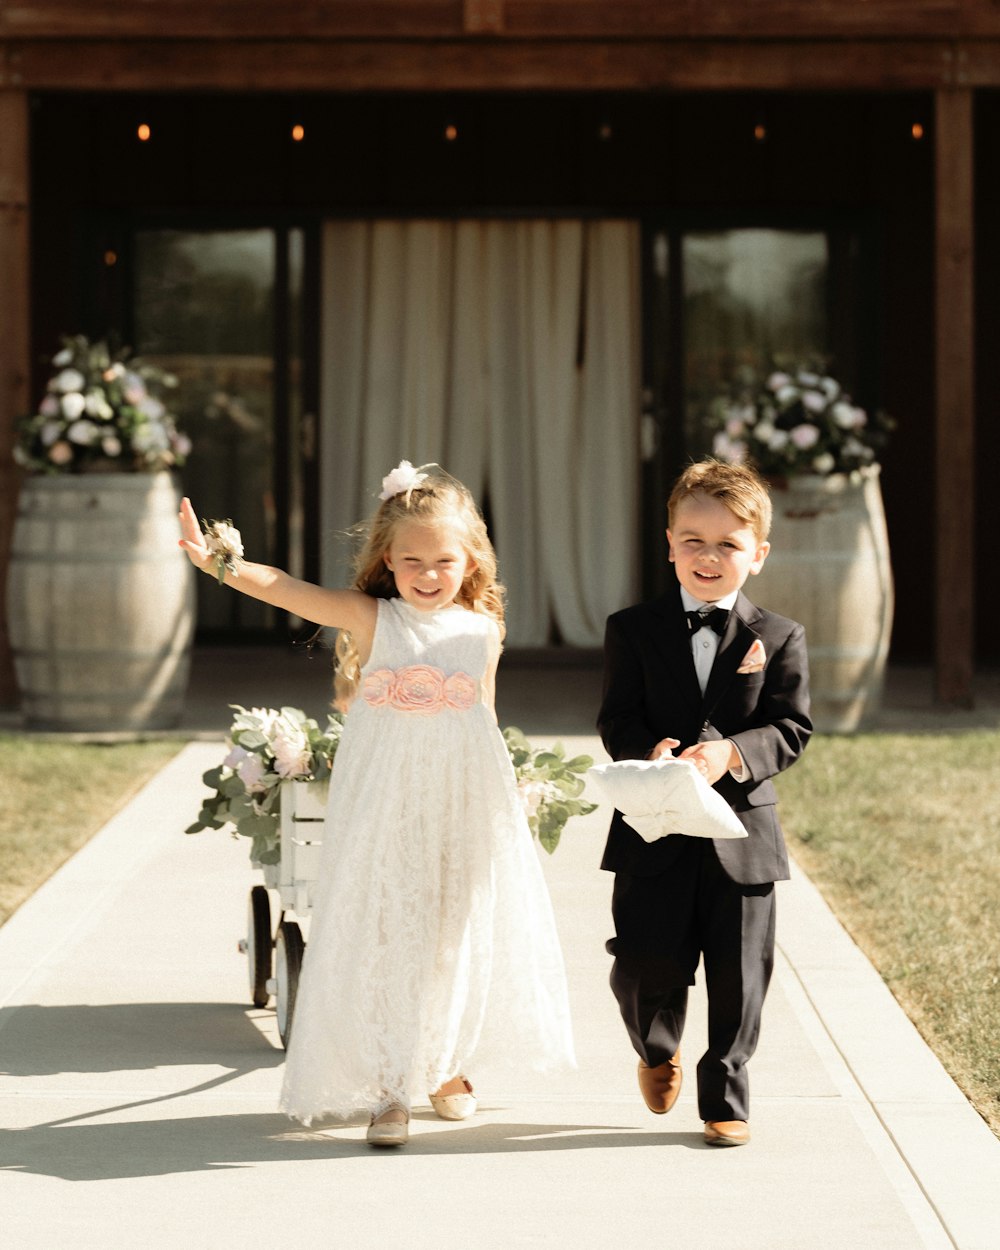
column 854, row 145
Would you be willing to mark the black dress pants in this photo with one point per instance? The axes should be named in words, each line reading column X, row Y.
column 662, row 925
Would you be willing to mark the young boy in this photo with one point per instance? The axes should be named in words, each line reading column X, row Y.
column 703, row 670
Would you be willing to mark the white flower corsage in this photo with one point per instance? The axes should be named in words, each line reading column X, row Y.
column 404, row 477
column 225, row 543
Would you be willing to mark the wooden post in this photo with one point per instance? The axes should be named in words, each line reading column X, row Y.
column 15, row 365
column 954, row 640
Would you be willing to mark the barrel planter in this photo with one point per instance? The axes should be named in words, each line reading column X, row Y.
column 829, row 568
column 100, row 602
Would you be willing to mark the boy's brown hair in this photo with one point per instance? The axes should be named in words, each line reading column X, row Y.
column 741, row 488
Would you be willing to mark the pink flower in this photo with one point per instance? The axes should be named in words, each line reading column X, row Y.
column 805, row 436
column 418, row 688
column 378, row 687
column 460, row 692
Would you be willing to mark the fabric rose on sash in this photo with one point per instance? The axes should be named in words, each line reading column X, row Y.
column 419, row 688
column 377, row 687
column 460, row 692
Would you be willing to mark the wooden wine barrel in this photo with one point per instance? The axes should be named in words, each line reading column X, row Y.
column 100, row 602
column 829, row 568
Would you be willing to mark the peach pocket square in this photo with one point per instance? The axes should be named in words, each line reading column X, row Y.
column 754, row 660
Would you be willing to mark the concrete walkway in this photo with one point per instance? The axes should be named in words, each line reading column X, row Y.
column 137, row 1101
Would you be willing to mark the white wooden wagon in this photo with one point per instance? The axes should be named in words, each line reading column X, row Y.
column 274, row 953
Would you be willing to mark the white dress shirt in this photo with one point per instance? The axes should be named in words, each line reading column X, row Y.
column 704, row 648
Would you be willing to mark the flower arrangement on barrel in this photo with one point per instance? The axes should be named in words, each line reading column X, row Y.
column 104, row 411
column 267, row 746
column 796, row 421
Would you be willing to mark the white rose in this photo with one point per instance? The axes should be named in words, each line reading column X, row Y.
column 824, row 463
column 83, row 433
column 50, row 431
column 764, row 430
column 69, row 380
column 63, row 358
column 73, row 405
column 843, row 414
column 787, row 394
column 777, row 380
column 49, row 407
column 98, row 406
column 111, row 446
column 778, row 440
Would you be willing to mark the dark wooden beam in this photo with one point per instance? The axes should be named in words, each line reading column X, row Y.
column 537, row 19
column 955, row 372
column 14, row 320
column 494, row 64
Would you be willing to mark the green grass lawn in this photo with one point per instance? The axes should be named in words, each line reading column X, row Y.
column 901, row 833
column 56, row 796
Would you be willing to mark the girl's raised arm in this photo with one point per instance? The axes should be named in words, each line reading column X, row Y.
column 339, row 609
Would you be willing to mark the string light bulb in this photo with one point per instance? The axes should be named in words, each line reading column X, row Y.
column 760, row 132
column 917, row 131
column 298, row 132
column 605, row 132
column 110, row 258
column 451, row 132
column 144, row 133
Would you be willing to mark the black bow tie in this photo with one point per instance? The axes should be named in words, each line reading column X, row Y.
column 715, row 618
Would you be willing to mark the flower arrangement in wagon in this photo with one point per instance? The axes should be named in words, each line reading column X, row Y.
column 103, row 411
column 268, row 746
column 796, row 421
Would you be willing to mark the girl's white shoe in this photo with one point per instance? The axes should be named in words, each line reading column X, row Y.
column 459, row 1106
column 391, row 1128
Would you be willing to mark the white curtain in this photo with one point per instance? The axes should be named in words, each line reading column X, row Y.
column 506, row 351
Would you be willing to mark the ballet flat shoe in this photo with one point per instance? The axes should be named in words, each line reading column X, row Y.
column 391, row 1128
column 455, row 1106
column 726, row 1132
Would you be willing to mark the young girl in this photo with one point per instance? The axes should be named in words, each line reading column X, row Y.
column 432, row 933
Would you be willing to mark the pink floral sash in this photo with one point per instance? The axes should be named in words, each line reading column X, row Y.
column 420, row 688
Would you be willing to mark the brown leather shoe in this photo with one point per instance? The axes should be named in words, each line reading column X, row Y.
column 660, row 1085
column 727, row 1132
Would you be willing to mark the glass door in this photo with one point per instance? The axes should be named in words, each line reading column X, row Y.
column 222, row 309
column 722, row 302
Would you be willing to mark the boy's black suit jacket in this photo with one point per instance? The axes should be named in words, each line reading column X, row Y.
column 651, row 692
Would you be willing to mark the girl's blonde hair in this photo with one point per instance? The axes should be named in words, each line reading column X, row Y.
column 438, row 500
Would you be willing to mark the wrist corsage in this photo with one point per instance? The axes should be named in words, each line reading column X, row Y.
column 224, row 542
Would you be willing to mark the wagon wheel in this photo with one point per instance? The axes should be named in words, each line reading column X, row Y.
column 259, row 944
column 288, row 951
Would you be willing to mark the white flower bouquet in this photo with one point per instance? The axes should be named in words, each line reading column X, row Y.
column 267, row 746
column 102, row 412
column 796, row 421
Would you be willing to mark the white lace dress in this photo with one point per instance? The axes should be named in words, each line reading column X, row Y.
column 432, row 933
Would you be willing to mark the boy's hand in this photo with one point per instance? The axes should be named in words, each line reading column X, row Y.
column 713, row 759
column 664, row 747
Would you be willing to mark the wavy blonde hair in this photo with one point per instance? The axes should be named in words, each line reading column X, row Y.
column 439, row 500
